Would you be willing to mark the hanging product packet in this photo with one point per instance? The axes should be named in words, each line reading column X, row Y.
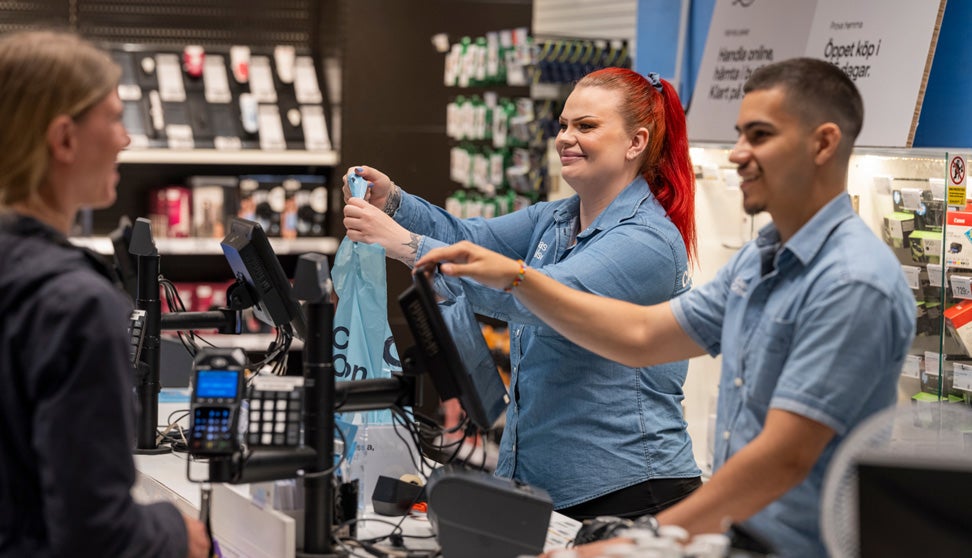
column 363, row 344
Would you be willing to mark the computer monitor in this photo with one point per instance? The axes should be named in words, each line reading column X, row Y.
column 914, row 505
column 470, row 375
column 125, row 262
column 249, row 253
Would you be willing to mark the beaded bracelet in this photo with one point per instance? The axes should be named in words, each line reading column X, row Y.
column 519, row 277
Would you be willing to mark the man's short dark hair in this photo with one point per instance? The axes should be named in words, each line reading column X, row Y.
column 816, row 90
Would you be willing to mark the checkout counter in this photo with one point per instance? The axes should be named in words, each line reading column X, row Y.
column 244, row 525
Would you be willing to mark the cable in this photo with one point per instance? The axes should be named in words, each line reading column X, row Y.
column 399, row 414
column 275, row 356
column 398, row 527
column 352, row 521
column 179, row 443
column 399, row 417
column 344, row 454
column 174, row 302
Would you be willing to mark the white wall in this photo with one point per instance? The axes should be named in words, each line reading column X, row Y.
column 589, row 19
column 722, row 228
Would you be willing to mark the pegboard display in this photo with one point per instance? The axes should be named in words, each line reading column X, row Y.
column 214, row 22
column 257, row 23
column 33, row 14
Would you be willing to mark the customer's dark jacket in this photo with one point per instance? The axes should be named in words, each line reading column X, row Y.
column 66, row 407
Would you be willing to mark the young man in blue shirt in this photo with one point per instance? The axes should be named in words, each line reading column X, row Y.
column 813, row 318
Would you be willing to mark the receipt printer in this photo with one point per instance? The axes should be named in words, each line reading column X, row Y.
column 477, row 515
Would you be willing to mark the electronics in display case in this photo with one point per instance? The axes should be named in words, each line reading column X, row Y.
column 927, row 225
column 908, row 200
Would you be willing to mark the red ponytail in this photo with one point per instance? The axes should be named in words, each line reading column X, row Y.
column 675, row 183
column 666, row 166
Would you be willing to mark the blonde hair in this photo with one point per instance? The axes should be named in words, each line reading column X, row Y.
column 43, row 75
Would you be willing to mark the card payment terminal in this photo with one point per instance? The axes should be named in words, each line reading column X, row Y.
column 218, row 377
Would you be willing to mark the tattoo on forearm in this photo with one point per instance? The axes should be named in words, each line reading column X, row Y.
column 408, row 258
column 394, row 200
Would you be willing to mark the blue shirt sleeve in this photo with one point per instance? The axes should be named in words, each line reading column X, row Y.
column 702, row 311
column 502, row 234
column 630, row 262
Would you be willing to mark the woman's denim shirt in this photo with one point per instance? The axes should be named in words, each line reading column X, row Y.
column 578, row 425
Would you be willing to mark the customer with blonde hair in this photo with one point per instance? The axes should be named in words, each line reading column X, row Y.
column 66, row 406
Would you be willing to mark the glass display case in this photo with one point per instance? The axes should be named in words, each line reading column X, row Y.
column 902, row 195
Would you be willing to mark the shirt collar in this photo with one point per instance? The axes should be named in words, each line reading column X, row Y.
column 810, row 238
column 624, row 206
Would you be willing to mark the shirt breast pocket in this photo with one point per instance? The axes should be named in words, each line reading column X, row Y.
column 543, row 330
column 765, row 358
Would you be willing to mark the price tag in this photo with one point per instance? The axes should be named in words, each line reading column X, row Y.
column 169, row 72
column 261, row 80
column 129, row 92
column 271, row 129
column 882, row 184
column 305, row 81
column 912, row 274
column 731, row 178
column 961, row 286
column 962, row 377
column 911, row 198
column 937, row 187
column 931, row 363
column 179, row 136
column 227, row 143
column 912, row 366
column 935, row 275
column 215, row 80
column 283, row 57
column 315, row 128
column 138, row 141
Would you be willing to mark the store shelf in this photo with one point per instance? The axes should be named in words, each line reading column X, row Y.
column 210, row 246
column 219, row 157
column 251, row 342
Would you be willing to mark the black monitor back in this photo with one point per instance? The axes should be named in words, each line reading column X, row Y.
column 249, row 253
column 917, row 506
column 472, row 375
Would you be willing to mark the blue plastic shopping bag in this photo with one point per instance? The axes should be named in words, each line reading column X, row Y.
column 363, row 344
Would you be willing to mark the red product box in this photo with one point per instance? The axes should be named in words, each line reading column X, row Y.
column 169, row 211
column 958, row 319
column 958, row 242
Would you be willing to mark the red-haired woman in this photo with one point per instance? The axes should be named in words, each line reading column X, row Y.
column 600, row 437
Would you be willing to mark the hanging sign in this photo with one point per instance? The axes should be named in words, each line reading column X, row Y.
column 956, row 182
column 743, row 36
column 886, row 52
